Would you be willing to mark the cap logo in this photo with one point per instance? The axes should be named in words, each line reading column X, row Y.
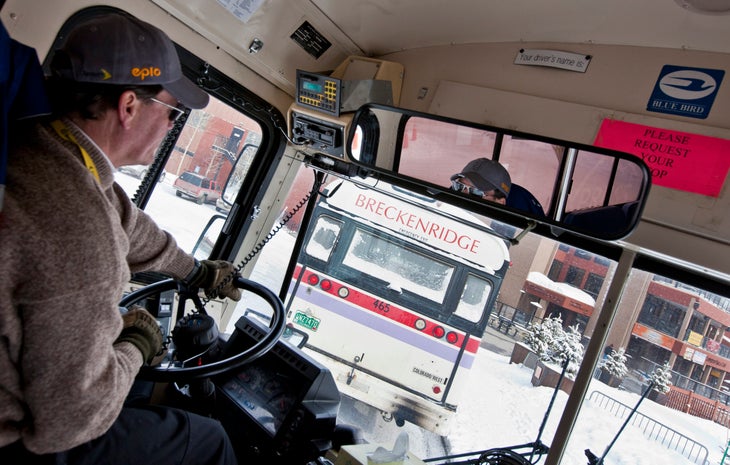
column 144, row 73
column 105, row 75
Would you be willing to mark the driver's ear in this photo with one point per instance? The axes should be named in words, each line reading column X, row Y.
column 128, row 108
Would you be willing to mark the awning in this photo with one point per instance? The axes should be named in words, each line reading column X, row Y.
column 562, row 294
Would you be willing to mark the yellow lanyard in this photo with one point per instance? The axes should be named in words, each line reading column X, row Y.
column 65, row 134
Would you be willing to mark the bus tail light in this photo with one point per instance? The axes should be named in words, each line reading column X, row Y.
column 452, row 337
column 313, row 279
column 420, row 324
column 438, row 331
column 326, row 284
column 436, row 389
column 343, row 292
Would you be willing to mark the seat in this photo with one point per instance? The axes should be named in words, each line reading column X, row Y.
column 611, row 219
column 23, row 92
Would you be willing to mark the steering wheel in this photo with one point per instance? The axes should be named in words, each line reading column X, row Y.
column 178, row 373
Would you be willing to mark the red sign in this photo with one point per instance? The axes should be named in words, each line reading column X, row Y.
column 678, row 160
column 653, row 336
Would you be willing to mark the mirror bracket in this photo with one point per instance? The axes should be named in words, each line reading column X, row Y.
column 333, row 165
column 531, row 224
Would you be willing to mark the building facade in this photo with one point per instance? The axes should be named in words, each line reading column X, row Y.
column 657, row 320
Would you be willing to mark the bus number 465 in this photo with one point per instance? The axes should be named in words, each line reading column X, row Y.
column 382, row 306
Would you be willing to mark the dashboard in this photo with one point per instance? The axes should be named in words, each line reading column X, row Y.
column 282, row 407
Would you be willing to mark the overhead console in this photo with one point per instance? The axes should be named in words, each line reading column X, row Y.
column 322, row 112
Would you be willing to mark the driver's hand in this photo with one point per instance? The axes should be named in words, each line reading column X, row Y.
column 216, row 277
column 142, row 330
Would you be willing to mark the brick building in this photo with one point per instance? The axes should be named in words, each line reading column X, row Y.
column 657, row 320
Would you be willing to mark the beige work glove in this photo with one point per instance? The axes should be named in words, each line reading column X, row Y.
column 142, row 330
column 216, row 278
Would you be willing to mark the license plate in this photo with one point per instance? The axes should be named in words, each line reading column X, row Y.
column 309, row 322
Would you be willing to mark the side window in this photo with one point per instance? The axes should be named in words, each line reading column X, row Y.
column 206, row 147
column 598, row 181
column 533, row 165
column 428, row 144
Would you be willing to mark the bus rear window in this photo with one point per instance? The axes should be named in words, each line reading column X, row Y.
column 324, row 237
column 473, row 298
column 401, row 268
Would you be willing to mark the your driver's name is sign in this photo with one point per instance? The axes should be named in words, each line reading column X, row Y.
column 553, row 59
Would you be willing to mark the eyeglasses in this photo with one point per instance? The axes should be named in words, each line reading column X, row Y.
column 175, row 112
column 461, row 187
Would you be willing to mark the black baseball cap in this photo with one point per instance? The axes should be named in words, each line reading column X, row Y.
column 487, row 175
column 118, row 48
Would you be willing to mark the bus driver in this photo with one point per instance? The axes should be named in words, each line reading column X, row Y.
column 70, row 238
column 484, row 178
column 490, row 180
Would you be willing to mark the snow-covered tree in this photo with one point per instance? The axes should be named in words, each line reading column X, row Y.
column 553, row 344
column 615, row 363
column 662, row 378
column 569, row 346
column 541, row 337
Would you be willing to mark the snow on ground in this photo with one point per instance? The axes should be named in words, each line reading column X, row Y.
column 505, row 409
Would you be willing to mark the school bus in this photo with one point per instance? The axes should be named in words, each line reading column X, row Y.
column 613, row 117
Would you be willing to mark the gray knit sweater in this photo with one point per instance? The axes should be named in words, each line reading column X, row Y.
column 67, row 246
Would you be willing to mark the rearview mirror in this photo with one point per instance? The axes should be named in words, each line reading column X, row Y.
column 590, row 190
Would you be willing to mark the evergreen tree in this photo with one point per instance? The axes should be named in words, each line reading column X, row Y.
column 615, row 363
column 541, row 337
column 567, row 345
column 662, row 378
column 553, row 344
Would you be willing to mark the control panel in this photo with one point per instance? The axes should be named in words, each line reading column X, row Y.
column 319, row 92
column 161, row 307
column 322, row 112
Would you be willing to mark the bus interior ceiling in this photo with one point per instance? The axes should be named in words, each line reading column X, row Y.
column 460, row 61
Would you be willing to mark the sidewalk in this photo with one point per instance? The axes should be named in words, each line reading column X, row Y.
column 497, row 342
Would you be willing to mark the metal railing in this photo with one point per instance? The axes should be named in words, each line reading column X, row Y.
column 645, row 366
column 652, row 429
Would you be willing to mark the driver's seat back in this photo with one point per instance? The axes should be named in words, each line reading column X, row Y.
column 23, row 92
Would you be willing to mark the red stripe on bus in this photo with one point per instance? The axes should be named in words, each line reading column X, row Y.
column 388, row 310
